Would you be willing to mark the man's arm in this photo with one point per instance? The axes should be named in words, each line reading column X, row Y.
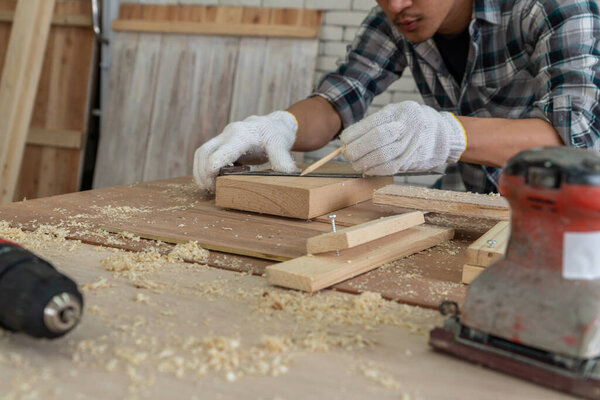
column 318, row 123
column 492, row 141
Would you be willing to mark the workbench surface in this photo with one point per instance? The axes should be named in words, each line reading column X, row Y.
column 157, row 327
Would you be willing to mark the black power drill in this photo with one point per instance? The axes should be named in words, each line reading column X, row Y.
column 35, row 298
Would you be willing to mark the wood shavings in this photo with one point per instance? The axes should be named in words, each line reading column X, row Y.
column 375, row 374
column 189, row 251
column 99, row 283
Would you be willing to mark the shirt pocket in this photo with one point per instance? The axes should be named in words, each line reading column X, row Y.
column 509, row 88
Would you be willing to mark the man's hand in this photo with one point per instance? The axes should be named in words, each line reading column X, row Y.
column 274, row 134
column 405, row 136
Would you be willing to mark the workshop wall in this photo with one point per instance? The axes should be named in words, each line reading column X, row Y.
column 341, row 19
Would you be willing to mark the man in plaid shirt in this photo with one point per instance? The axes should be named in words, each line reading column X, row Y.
column 497, row 77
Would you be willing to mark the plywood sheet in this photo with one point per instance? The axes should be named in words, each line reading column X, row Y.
column 425, row 278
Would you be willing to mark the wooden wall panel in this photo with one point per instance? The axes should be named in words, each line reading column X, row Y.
column 62, row 99
column 202, row 83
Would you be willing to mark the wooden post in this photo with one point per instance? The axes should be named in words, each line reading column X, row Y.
column 18, row 86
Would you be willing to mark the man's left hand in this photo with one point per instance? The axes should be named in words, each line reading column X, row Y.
column 405, row 136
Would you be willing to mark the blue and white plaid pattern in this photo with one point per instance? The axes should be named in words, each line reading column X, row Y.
column 528, row 59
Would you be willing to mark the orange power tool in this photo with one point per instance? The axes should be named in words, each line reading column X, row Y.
column 535, row 313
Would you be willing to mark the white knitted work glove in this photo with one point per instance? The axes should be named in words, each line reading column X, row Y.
column 274, row 134
column 405, row 136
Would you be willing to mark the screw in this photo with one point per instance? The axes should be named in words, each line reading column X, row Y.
column 332, row 219
column 491, row 243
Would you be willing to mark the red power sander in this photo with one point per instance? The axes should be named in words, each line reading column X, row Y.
column 535, row 313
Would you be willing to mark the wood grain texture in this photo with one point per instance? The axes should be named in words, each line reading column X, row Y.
column 482, row 253
column 62, row 102
column 315, row 272
column 198, row 85
column 444, row 201
column 294, row 197
column 20, row 77
column 221, row 20
column 363, row 233
column 470, row 272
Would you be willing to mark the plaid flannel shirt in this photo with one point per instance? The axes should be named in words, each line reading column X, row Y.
column 528, row 59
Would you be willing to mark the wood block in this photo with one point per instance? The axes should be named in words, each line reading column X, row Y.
column 312, row 273
column 470, row 272
column 480, row 253
column 363, row 233
column 292, row 196
column 444, row 201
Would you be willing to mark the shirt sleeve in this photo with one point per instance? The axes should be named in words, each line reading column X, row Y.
column 373, row 61
column 566, row 64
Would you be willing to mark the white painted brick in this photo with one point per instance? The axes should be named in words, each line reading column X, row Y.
column 328, row 4
column 363, row 4
column 383, row 99
column 283, row 3
column 397, row 97
column 350, row 33
column 332, row 33
column 343, row 18
column 326, row 63
column 246, row 3
column 337, row 49
column 404, row 84
column 373, row 109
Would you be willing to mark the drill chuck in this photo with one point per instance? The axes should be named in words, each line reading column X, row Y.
column 35, row 298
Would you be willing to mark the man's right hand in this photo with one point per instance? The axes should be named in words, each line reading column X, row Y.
column 274, row 134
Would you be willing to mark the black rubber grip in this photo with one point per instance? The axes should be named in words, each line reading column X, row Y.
column 27, row 284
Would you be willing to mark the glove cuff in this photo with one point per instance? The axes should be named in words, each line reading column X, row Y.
column 457, row 138
column 289, row 121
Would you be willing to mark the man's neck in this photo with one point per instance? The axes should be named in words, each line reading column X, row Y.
column 458, row 18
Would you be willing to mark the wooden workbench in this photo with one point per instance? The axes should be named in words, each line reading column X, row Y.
column 155, row 327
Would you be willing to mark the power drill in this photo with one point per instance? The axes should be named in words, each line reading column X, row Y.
column 35, row 298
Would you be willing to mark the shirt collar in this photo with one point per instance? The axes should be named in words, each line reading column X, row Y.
column 487, row 10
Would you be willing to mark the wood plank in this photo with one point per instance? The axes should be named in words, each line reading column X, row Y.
column 57, row 19
column 20, row 77
column 312, row 273
column 55, row 138
column 470, row 272
column 363, row 233
column 305, row 32
column 294, row 197
column 482, row 253
column 444, row 201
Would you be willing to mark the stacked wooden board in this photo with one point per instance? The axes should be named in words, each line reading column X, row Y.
column 484, row 251
column 57, row 131
column 180, row 73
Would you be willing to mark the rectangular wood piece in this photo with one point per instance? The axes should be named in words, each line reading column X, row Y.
column 363, row 233
column 220, row 20
column 489, row 247
column 294, row 197
column 314, row 272
column 18, row 86
column 444, row 201
column 470, row 272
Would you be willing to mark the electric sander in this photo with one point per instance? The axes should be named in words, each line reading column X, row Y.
column 535, row 313
column 35, row 298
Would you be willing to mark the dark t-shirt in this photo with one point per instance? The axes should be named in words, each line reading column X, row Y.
column 454, row 52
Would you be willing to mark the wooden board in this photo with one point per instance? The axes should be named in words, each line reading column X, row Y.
column 314, row 272
column 363, row 233
column 489, row 247
column 161, row 207
column 294, row 197
column 20, row 77
column 444, row 201
column 171, row 92
column 470, row 272
column 58, row 130
column 223, row 20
